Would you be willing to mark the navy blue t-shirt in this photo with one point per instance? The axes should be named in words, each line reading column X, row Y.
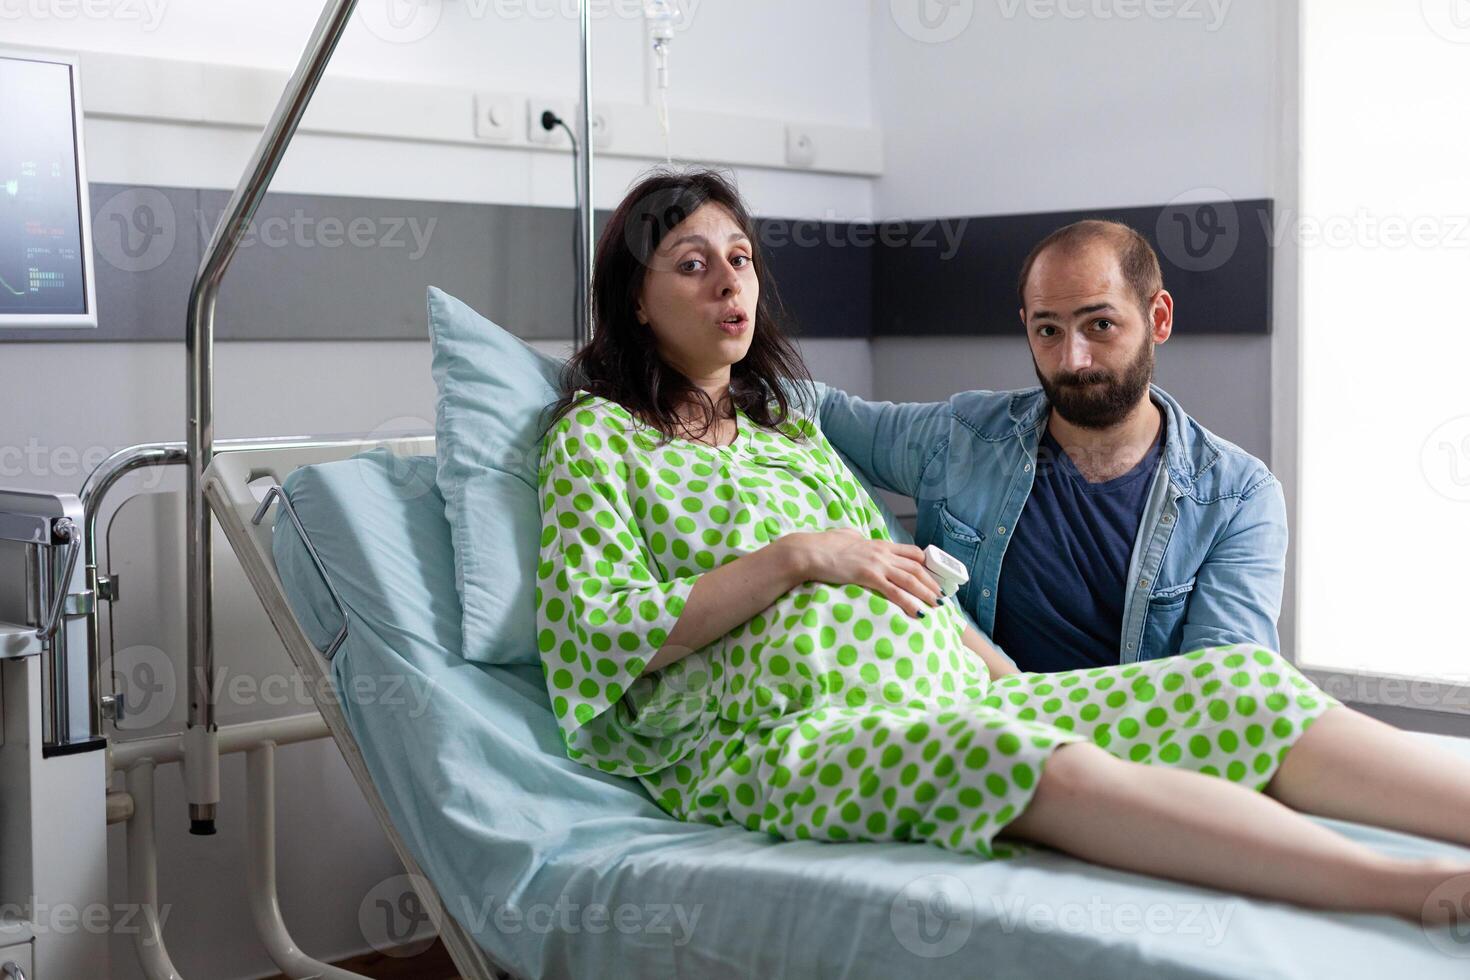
column 1060, row 596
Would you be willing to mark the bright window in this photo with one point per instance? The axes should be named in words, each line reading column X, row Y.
column 1383, row 534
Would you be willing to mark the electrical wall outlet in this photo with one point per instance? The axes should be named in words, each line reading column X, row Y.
column 495, row 117
column 801, row 148
column 554, row 137
column 571, row 112
column 602, row 129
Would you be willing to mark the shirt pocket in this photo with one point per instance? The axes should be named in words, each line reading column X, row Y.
column 1163, row 628
column 961, row 541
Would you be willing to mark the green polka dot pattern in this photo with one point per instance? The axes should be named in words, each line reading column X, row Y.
column 832, row 714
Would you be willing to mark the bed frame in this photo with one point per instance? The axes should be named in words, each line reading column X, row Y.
column 217, row 475
column 243, row 514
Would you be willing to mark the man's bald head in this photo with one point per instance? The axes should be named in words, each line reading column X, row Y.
column 1137, row 260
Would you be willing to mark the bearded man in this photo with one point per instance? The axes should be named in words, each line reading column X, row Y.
column 1100, row 523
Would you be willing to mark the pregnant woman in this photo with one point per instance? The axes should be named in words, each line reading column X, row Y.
column 723, row 614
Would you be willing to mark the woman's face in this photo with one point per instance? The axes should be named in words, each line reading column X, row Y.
column 699, row 295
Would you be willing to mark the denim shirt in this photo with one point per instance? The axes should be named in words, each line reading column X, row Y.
column 1209, row 560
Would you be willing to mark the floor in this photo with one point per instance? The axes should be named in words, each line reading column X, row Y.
column 431, row 964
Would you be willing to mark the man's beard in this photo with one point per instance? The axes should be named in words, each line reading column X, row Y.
column 1097, row 399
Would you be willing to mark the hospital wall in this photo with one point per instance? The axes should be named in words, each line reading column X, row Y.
column 1069, row 106
column 1032, row 115
column 67, row 405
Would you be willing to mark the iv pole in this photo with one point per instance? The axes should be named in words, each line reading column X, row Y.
column 586, row 216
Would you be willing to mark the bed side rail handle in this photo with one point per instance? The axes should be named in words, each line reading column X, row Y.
column 67, row 531
column 265, row 505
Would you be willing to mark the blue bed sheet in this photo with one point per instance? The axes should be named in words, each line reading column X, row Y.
column 559, row 871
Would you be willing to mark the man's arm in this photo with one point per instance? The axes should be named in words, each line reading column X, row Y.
column 891, row 444
column 1237, row 592
column 996, row 661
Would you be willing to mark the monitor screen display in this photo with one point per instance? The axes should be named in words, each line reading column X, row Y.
column 43, row 263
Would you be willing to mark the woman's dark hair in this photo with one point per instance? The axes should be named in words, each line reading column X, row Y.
column 622, row 363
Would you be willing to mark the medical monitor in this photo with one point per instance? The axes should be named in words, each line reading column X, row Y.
column 46, row 277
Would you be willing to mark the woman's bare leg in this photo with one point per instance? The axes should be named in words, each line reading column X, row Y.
column 1350, row 766
column 1179, row 824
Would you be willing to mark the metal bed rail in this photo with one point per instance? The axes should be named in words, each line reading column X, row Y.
column 138, row 758
column 93, row 495
column 199, row 745
column 202, row 768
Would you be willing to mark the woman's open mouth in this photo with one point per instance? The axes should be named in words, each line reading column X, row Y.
column 734, row 324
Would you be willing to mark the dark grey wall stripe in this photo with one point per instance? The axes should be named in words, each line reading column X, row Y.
column 316, row 267
column 1216, row 259
column 823, row 274
column 319, row 267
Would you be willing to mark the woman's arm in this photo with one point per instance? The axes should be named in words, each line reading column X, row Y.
column 727, row 596
column 998, row 665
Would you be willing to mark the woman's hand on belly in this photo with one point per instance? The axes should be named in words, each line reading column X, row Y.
column 847, row 557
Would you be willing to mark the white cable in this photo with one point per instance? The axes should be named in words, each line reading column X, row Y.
column 663, row 123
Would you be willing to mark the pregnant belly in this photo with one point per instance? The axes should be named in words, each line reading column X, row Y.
column 844, row 646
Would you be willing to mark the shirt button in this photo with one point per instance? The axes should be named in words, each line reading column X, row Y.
column 1130, row 646
column 1168, row 518
column 1143, row 583
column 1000, row 530
column 1026, row 468
column 985, row 593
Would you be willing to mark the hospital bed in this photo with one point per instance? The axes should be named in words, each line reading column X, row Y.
column 531, row 865
column 534, row 866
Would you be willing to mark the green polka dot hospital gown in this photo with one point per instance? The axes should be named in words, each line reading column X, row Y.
column 832, row 714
